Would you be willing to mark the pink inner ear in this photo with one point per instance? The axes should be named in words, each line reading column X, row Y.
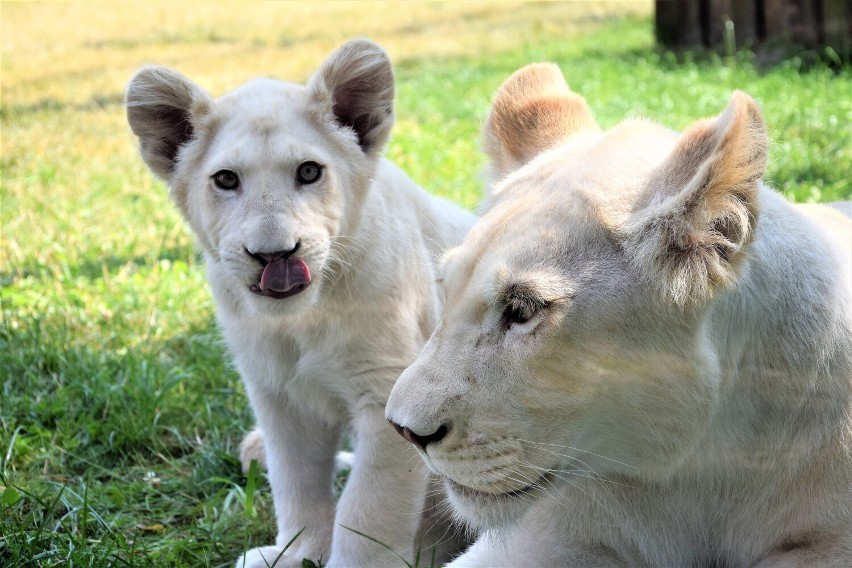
column 284, row 274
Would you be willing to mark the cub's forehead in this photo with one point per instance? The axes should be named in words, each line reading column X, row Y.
column 262, row 107
column 261, row 95
column 264, row 117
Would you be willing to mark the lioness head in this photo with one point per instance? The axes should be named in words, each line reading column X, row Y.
column 271, row 174
column 571, row 341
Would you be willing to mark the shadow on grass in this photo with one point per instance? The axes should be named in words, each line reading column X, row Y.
column 52, row 104
column 92, row 269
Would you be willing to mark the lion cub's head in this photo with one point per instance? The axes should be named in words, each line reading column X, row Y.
column 571, row 343
column 270, row 175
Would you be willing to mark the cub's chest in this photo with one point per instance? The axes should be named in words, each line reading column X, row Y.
column 340, row 376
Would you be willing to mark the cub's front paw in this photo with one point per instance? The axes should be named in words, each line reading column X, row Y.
column 267, row 557
column 252, row 448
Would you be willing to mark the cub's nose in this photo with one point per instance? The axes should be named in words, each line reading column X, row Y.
column 420, row 440
column 265, row 258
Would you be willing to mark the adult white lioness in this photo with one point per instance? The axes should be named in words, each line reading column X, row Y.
column 646, row 355
column 320, row 257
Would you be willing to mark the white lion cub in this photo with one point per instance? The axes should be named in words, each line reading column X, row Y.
column 646, row 354
column 320, row 256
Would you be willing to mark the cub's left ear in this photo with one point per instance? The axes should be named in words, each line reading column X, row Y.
column 356, row 86
column 700, row 211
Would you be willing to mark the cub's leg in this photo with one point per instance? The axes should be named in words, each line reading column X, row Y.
column 300, row 451
column 383, row 497
column 251, row 449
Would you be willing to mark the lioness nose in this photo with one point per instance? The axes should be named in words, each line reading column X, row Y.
column 265, row 258
column 421, row 441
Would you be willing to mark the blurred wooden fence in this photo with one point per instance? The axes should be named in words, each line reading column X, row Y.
column 733, row 24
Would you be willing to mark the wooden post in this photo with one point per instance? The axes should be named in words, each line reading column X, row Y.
column 809, row 23
column 837, row 19
column 677, row 22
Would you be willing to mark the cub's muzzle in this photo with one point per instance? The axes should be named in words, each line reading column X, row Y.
column 283, row 274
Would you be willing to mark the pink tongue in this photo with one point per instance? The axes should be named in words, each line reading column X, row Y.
column 284, row 274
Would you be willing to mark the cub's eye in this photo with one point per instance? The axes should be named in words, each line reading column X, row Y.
column 308, row 172
column 518, row 313
column 226, row 179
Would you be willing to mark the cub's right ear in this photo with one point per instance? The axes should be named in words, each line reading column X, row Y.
column 532, row 111
column 163, row 108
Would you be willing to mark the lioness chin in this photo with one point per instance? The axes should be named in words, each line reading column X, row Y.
column 645, row 358
column 320, row 255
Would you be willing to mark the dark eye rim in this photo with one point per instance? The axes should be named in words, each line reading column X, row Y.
column 224, row 186
column 518, row 314
column 308, row 181
column 522, row 310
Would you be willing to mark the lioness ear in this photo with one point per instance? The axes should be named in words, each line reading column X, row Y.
column 532, row 111
column 356, row 85
column 701, row 209
column 163, row 107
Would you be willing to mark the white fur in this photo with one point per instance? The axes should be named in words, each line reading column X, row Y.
column 323, row 360
column 681, row 392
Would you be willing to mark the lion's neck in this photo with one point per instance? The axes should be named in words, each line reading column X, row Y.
column 780, row 336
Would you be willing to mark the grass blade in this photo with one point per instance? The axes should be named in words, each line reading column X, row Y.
column 380, row 543
column 251, row 488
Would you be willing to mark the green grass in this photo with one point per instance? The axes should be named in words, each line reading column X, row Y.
column 119, row 412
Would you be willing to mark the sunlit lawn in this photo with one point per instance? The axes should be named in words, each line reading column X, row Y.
column 119, row 413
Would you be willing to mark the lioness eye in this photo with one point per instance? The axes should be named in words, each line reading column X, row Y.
column 518, row 313
column 308, row 172
column 226, row 179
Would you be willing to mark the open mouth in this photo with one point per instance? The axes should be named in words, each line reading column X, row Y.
column 282, row 278
column 478, row 495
